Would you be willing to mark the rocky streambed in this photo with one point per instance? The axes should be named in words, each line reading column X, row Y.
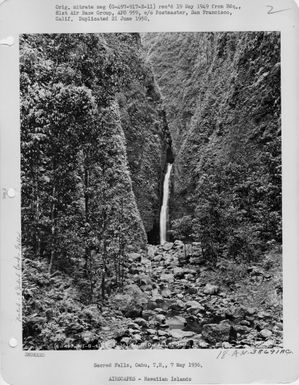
column 173, row 299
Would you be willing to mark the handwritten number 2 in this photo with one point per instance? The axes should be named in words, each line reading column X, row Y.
column 271, row 10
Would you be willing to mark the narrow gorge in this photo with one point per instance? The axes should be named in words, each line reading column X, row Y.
column 151, row 190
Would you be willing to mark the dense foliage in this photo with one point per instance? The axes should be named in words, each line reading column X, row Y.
column 80, row 215
column 222, row 98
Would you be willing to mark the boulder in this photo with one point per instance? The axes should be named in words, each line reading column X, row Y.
column 156, row 296
column 167, row 277
column 126, row 340
column 165, row 292
column 179, row 254
column 226, row 345
column 137, row 338
column 94, row 316
column 250, row 310
column 194, row 323
column 242, row 329
column 159, row 318
column 151, row 251
column 265, row 333
column 191, row 289
column 178, row 334
column 181, row 272
column 156, row 339
column 263, row 314
column 109, row 344
column 144, row 279
column 178, row 244
column 216, row 332
column 194, row 305
column 119, row 333
column 174, row 262
column 126, row 303
column 134, row 325
column 177, row 306
column 141, row 321
column 178, row 272
column 146, row 314
column 170, row 261
column 167, row 246
column 131, row 302
column 135, row 257
column 176, row 322
column 158, row 301
column 162, row 333
column 147, row 264
column 133, row 290
column 211, row 289
column 245, row 323
column 160, row 310
column 203, row 345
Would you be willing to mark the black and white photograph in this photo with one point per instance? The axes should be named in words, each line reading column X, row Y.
column 151, row 199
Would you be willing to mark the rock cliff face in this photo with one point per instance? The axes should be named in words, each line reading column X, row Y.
column 148, row 142
column 93, row 132
column 222, row 99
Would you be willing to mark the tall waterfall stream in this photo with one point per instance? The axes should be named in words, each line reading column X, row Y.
column 163, row 214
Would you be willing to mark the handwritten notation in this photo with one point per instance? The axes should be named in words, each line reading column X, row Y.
column 272, row 11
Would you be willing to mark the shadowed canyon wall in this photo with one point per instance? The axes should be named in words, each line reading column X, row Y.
column 148, row 142
column 221, row 94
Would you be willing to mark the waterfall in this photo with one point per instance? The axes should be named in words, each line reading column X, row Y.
column 163, row 214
